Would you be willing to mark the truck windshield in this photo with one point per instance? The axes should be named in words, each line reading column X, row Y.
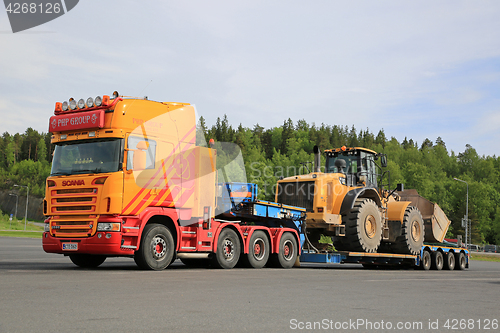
column 89, row 156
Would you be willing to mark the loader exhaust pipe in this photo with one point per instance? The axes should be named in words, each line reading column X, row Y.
column 317, row 159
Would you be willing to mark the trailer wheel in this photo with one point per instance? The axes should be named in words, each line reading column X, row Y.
column 449, row 263
column 157, row 248
column 425, row 261
column 87, row 260
column 437, row 260
column 258, row 251
column 412, row 233
column 363, row 227
column 460, row 261
column 288, row 252
column 228, row 249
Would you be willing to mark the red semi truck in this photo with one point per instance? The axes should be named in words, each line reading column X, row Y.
column 129, row 179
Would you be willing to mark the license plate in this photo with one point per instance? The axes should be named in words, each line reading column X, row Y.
column 70, row 246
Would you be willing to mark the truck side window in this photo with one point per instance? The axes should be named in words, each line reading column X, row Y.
column 150, row 151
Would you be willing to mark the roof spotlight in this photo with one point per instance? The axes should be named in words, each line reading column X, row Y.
column 115, row 94
column 65, row 106
column 90, row 102
column 81, row 103
column 98, row 101
column 72, row 104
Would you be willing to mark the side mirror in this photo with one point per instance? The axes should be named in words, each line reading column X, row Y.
column 383, row 161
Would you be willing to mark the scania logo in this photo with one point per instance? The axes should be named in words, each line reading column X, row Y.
column 73, row 182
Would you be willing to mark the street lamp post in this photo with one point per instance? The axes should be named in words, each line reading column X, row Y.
column 27, row 200
column 15, row 214
column 466, row 214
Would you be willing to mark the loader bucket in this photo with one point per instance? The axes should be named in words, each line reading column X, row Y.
column 435, row 221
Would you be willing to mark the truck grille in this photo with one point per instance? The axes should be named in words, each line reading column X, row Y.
column 80, row 200
column 299, row 194
column 73, row 226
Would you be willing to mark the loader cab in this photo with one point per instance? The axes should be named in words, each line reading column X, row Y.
column 358, row 165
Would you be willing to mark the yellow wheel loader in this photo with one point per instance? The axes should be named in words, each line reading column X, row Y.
column 346, row 201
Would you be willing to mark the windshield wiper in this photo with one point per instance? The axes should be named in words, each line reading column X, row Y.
column 59, row 174
column 96, row 170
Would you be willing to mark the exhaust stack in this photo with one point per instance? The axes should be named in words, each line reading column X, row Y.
column 317, row 159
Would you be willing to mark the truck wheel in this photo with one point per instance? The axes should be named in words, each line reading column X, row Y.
column 288, row 252
column 412, row 233
column 258, row 251
column 363, row 227
column 449, row 263
column 157, row 248
column 425, row 261
column 87, row 260
column 460, row 261
column 228, row 249
column 437, row 260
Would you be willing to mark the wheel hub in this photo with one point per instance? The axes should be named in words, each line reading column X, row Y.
column 259, row 249
column 228, row 249
column 370, row 226
column 288, row 250
column 415, row 231
column 159, row 247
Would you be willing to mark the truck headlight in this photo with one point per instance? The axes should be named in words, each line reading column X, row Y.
column 46, row 227
column 342, row 180
column 106, row 226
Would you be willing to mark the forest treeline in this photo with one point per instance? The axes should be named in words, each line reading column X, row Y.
column 268, row 154
column 428, row 167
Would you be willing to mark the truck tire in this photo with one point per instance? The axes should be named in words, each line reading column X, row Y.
column 449, row 263
column 460, row 261
column 87, row 260
column 412, row 233
column 425, row 261
column 288, row 252
column 228, row 249
column 437, row 260
column 258, row 250
column 156, row 249
column 363, row 227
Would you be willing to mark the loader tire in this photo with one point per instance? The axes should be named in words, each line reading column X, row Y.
column 363, row 227
column 412, row 233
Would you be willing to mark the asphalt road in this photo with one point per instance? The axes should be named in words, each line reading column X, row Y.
column 42, row 292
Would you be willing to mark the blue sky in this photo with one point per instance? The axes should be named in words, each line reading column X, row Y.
column 418, row 69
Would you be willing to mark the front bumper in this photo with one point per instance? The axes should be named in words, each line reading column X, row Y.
column 92, row 245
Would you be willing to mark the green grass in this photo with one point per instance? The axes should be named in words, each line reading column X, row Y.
column 15, row 228
column 484, row 257
column 19, row 234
